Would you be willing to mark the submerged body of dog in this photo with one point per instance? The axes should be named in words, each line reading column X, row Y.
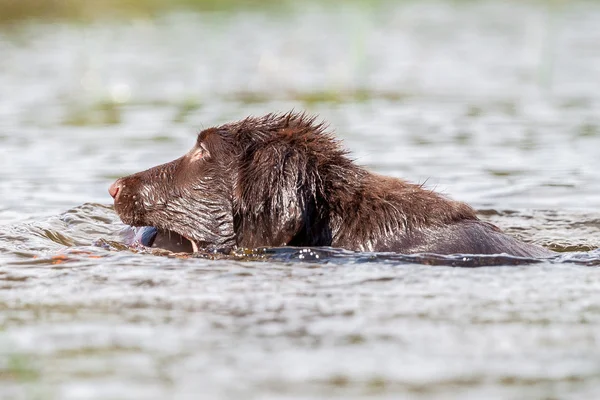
column 282, row 180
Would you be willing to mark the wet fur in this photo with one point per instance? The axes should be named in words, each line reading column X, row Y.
column 284, row 180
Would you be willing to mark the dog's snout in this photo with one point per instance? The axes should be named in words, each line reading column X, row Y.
column 115, row 188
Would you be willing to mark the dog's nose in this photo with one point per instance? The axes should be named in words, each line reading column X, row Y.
column 114, row 189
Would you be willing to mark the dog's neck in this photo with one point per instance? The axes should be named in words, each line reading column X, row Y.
column 379, row 211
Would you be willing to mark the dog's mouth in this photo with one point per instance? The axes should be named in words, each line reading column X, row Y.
column 150, row 236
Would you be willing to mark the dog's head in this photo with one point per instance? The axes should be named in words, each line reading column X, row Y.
column 258, row 182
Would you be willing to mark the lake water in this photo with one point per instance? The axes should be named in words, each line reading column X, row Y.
column 493, row 103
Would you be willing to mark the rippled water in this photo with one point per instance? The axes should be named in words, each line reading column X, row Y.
column 493, row 103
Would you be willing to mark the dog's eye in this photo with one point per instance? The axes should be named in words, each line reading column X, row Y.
column 199, row 152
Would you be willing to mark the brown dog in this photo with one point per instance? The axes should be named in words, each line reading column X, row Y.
column 282, row 180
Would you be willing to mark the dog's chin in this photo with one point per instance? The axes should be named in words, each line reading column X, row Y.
column 128, row 218
column 150, row 236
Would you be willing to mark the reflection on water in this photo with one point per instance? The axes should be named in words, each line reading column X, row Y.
column 493, row 103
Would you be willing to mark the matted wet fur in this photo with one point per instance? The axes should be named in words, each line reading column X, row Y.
column 284, row 180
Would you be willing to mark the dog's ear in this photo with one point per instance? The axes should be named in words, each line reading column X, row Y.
column 274, row 195
column 289, row 169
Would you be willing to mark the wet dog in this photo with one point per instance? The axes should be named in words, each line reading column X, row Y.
column 284, row 180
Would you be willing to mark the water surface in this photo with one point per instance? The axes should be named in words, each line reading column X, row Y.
column 492, row 103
